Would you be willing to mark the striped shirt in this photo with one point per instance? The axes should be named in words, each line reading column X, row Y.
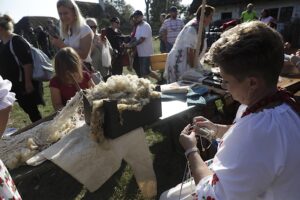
column 173, row 27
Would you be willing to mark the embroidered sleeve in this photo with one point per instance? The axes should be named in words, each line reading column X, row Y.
column 207, row 187
column 8, row 189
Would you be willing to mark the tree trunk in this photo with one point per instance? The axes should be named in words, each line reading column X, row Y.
column 147, row 2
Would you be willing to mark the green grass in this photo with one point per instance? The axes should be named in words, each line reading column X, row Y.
column 156, row 46
column 19, row 119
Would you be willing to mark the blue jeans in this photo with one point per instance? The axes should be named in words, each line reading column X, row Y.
column 169, row 46
column 144, row 66
column 162, row 47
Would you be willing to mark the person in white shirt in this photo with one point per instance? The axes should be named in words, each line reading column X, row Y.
column 143, row 44
column 74, row 32
column 258, row 155
column 101, row 50
column 181, row 58
column 266, row 17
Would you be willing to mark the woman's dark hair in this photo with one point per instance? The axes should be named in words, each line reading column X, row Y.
column 266, row 11
column 6, row 23
column 208, row 10
column 114, row 19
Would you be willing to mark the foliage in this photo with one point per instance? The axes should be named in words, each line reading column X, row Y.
column 90, row 10
column 158, row 7
column 118, row 8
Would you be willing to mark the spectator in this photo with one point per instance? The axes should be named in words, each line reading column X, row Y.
column 8, row 189
column 74, row 32
column 162, row 33
column 181, row 57
column 266, row 17
column 132, row 52
column 101, row 50
column 249, row 14
column 30, row 36
column 53, row 30
column 143, row 44
column 258, row 155
column 43, row 40
column 171, row 28
column 114, row 36
column 68, row 69
column 29, row 92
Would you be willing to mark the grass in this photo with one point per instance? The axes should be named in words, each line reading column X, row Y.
column 19, row 119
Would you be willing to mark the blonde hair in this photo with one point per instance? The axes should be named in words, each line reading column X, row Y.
column 67, row 62
column 208, row 10
column 7, row 23
column 64, row 29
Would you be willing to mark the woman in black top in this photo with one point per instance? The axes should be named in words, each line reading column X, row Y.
column 114, row 35
column 29, row 93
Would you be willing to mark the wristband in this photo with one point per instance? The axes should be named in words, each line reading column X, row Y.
column 191, row 150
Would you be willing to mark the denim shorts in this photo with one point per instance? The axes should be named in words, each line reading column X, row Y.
column 144, row 66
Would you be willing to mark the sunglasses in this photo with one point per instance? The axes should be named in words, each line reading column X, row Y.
column 93, row 26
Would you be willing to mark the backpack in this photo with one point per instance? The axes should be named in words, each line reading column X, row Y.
column 42, row 67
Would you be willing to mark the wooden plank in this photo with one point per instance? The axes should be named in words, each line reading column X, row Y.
column 291, row 84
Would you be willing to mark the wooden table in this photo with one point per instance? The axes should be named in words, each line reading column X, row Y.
column 291, row 84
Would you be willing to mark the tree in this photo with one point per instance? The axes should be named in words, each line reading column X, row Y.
column 147, row 2
column 118, row 4
column 118, row 8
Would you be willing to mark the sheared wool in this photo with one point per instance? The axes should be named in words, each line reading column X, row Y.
column 130, row 92
column 16, row 150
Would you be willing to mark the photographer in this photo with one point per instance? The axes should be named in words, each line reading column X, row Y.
column 113, row 35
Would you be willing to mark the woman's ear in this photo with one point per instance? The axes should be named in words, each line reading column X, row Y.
column 255, row 82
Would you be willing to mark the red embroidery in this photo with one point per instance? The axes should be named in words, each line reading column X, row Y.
column 215, row 179
column 195, row 196
column 210, row 198
column 281, row 96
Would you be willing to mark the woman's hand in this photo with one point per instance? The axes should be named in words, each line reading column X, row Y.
column 28, row 87
column 57, row 42
column 298, row 52
column 187, row 138
column 203, row 122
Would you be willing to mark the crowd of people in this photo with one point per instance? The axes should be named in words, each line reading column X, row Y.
column 257, row 153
